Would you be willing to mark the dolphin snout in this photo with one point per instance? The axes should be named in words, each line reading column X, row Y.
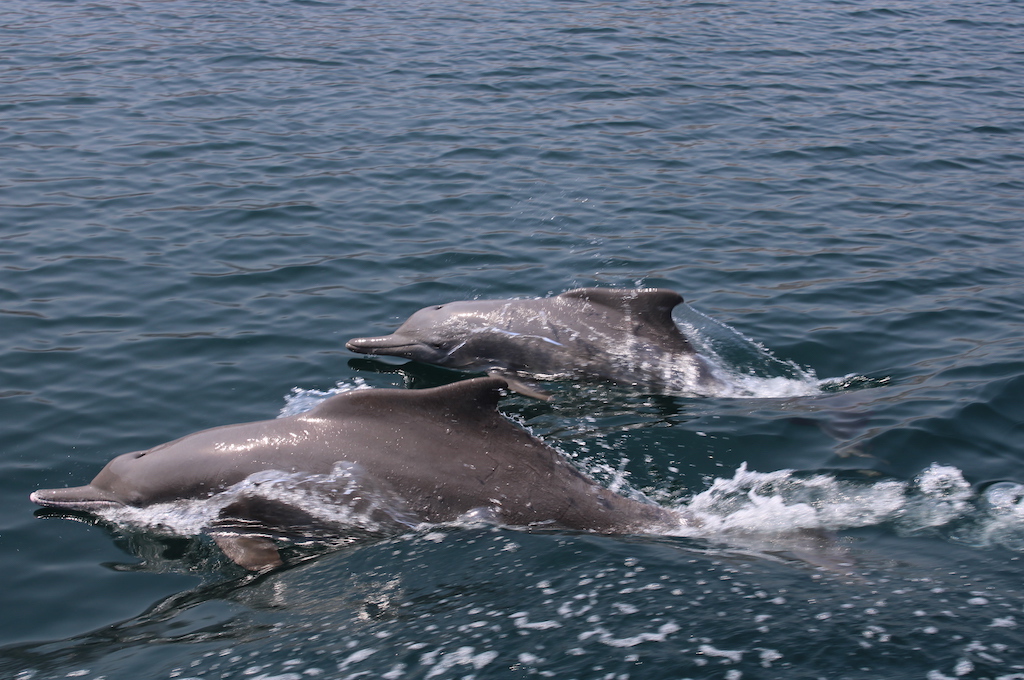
column 367, row 345
column 383, row 344
column 75, row 498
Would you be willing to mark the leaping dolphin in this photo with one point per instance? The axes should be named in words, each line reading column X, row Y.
column 431, row 455
column 623, row 336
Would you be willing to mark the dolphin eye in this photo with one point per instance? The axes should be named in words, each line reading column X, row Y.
column 438, row 307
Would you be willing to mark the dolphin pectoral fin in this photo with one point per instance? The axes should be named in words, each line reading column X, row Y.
column 249, row 552
column 520, row 387
column 243, row 530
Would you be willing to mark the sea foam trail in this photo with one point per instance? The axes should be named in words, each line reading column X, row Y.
column 937, row 501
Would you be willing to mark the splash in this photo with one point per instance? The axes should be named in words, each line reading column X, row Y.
column 1000, row 520
column 785, row 501
column 938, row 501
column 744, row 368
column 300, row 400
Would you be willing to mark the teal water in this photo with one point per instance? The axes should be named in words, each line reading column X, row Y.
column 201, row 202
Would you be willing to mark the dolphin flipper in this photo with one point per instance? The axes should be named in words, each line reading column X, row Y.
column 519, row 387
column 244, row 527
column 253, row 553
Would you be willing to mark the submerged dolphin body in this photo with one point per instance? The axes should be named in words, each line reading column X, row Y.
column 430, row 455
column 623, row 336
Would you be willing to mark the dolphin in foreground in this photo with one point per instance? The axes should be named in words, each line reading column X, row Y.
column 431, row 455
column 622, row 336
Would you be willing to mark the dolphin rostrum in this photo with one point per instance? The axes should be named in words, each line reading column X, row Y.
column 430, row 455
column 623, row 336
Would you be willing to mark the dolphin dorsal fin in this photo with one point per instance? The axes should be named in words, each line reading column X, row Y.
column 637, row 301
column 649, row 308
column 472, row 398
column 653, row 305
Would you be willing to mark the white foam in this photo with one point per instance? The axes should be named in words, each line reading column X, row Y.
column 943, row 495
column 783, row 501
column 605, row 637
column 735, row 656
column 463, row 656
column 999, row 520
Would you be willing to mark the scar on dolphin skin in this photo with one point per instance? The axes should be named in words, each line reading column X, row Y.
column 441, row 453
column 619, row 335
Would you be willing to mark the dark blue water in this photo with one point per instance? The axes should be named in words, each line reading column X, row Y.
column 201, row 202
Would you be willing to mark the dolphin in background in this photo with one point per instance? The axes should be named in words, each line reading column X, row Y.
column 622, row 336
column 390, row 457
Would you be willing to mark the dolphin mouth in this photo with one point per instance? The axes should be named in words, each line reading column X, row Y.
column 86, row 498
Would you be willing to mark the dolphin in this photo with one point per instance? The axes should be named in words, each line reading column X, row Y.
column 617, row 335
column 430, row 455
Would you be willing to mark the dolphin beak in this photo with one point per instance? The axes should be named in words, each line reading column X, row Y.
column 393, row 344
column 75, row 498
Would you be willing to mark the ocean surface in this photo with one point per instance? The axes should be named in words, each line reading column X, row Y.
column 200, row 202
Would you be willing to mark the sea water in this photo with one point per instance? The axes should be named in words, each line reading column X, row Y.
column 200, row 203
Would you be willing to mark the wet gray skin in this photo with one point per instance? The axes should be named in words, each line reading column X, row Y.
column 623, row 336
column 444, row 452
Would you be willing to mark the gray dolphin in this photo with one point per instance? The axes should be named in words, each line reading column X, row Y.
column 624, row 336
column 437, row 454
